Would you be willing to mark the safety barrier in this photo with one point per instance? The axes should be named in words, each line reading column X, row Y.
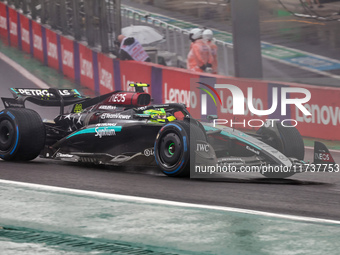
column 103, row 74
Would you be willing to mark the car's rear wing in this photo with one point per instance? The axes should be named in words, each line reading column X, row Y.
column 44, row 97
column 65, row 97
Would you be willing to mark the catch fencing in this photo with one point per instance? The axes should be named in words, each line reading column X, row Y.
column 176, row 39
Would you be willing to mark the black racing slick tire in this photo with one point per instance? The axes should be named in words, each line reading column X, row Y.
column 172, row 147
column 287, row 140
column 292, row 142
column 22, row 134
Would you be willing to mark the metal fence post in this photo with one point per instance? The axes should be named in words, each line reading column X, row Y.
column 175, row 40
column 33, row 9
column 89, row 30
column 44, row 12
column 63, row 16
column 167, row 36
column 24, row 7
column 76, row 19
column 103, row 26
column 17, row 4
column 183, row 44
column 118, row 17
column 225, row 59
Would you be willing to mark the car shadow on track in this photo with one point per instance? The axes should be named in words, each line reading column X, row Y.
column 155, row 173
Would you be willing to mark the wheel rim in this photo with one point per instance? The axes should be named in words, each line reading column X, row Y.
column 170, row 150
column 7, row 134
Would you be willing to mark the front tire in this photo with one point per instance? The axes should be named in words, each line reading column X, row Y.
column 172, row 147
column 22, row 134
column 287, row 140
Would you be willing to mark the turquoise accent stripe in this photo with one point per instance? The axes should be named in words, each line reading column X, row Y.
column 240, row 139
column 76, row 91
column 16, row 92
column 94, row 130
column 207, row 128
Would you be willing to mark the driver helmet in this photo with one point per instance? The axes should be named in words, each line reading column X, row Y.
column 159, row 115
column 207, row 34
column 195, row 34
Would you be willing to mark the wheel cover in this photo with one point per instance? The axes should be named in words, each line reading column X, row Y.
column 7, row 135
column 170, row 149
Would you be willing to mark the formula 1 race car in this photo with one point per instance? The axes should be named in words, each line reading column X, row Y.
column 122, row 128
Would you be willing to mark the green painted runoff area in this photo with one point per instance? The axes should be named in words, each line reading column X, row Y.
column 84, row 222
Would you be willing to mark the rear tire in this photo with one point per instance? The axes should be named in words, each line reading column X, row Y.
column 172, row 147
column 22, row 134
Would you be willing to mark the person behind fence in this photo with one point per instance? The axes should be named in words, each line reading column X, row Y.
column 131, row 49
column 199, row 57
column 208, row 39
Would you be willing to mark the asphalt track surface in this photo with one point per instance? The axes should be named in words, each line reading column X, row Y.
column 306, row 194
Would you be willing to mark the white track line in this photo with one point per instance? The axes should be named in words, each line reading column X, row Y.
column 101, row 195
column 39, row 83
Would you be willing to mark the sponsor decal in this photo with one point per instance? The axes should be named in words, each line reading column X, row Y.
column 25, row 35
column 117, row 98
column 52, row 50
column 186, row 97
column 37, row 42
column 106, row 79
column 104, row 131
column 322, row 156
column 78, row 108
column 202, row 147
column 149, row 152
column 9, row 104
column 68, row 58
column 106, row 124
column 320, row 114
column 86, row 68
column 231, row 159
column 41, row 92
column 61, row 155
column 107, row 107
column 3, row 22
column 143, row 108
column 115, row 116
column 13, row 28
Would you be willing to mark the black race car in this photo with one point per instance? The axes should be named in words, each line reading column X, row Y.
column 123, row 128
